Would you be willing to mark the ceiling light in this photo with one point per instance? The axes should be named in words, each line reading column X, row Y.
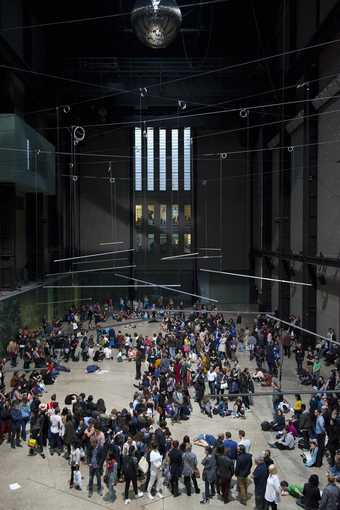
column 156, row 22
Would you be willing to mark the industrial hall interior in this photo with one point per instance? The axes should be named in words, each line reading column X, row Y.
column 170, row 254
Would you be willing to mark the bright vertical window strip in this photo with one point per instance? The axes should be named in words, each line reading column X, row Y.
column 187, row 159
column 162, row 160
column 151, row 214
column 174, row 159
column 150, row 159
column 138, row 159
column 187, row 214
column 162, row 215
column 175, row 240
column 175, row 214
column 138, row 214
column 187, row 243
column 151, row 242
column 28, row 150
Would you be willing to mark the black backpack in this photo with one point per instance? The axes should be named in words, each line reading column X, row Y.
column 266, row 426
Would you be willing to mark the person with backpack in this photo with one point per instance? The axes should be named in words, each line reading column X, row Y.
column 111, row 472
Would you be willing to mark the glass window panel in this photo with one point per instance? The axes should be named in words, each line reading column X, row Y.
column 174, row 158
column 175, row 214
column 138, row 159
column 138, row 214
column 150, row 159
column 139, row 242
column 162, row 213
column 175, row 240
column 187, row 243
column 151, row 214
column 162, row 159
column 151, row 242
column 163, row 242
column 187, row 159
column 187, row 214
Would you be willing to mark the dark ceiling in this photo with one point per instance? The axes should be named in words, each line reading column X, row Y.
column 107, row 53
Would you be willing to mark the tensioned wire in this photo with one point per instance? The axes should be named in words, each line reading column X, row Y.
column 211, row 71
column 99, row 18
column 203, row 114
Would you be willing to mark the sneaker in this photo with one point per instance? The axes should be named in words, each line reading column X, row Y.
column 159, row 495
column 204, row 501
column 150, row 496
column 127, row 501
column 140, row 494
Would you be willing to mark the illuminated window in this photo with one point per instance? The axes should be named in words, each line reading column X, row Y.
column 174, row 158
column 175, row 214
column 163, row 242
column 162, row 214
column 187, row 159
column 139, row 242
column 138, row 159
column 175, row 240
column 150, row 159
column 138, row 214
column 151, row 214
column 187, row 243
column 151, row 242
column 187, row 214
column 162, row 160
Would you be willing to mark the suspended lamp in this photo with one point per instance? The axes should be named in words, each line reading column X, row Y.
column 156, row 22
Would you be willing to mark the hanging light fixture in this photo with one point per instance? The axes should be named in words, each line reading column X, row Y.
column 156, row 22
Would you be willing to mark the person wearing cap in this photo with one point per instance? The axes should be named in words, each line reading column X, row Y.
column 260, row 475
column 330, row 495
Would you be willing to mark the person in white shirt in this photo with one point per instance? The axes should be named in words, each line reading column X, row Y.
column 155, row 472
column 273, row 488
column 243, row 440
column 211, row 376
column 126, row 446
column 108, row 352
column 56, row 425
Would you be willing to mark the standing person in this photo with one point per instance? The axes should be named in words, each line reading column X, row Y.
column 320, row 432
column 311, row 493
column 16, row 420
column 305, row 424
column 330, row 495
column 25, row 410
column 75, row 458
column 111, row 474
column 211, row 376
column 176, row 467
column 244, row 441
column 139, row 358
column 242, row 471
column 94, row 469
column 190, row 469
column 273, row 489
column 130, row 469
column 155, row 471
column 55, row 426
column 209, row 475
column 224, row 473
column 299, row 357
column 260, row 475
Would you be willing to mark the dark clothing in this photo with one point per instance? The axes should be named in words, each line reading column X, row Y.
column 311, row 497
column 260, row 476
column 232, row 448
column 176, row 467
column 243, row 465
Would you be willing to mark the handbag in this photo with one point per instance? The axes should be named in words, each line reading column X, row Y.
column 197, row 473
column 143, row 465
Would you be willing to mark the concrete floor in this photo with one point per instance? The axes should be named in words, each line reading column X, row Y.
column 45, row 482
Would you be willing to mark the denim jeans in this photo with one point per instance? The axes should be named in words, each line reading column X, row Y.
column 95, row 472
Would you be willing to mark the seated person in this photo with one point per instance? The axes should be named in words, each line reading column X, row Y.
column 239, row 410
column 279, row 422
column 335, row 469
column 309, row 458
column 286, row 441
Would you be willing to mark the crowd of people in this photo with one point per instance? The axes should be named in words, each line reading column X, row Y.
column 192, row 360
